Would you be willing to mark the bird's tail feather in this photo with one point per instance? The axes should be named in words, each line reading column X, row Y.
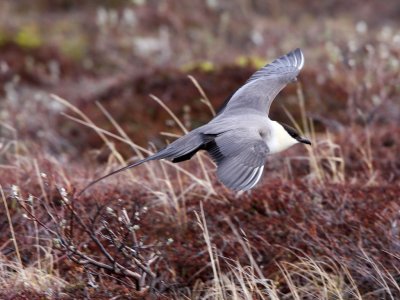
column 178, row 148
column 152, row 157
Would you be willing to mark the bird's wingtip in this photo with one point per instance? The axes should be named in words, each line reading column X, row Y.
column 298, row 57
column 301, row 57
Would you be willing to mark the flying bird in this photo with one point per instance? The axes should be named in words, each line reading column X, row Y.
column 241, row 136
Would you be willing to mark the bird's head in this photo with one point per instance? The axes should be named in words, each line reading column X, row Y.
column 284, row 136
column 295, row 134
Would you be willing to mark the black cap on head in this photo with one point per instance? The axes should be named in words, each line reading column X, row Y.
column 295, row 134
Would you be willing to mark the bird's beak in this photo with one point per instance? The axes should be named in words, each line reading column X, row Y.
column 305, row 141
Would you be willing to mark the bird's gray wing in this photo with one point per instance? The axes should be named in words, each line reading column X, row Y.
column 262, row 87
column 240, row 156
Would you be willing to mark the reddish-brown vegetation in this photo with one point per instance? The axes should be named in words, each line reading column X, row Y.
column 324, row 222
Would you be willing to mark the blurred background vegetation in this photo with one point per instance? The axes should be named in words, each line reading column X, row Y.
column 336, row 202
column 169, row 32
column 119, row 52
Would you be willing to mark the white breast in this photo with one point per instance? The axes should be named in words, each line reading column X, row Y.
column 279, row 139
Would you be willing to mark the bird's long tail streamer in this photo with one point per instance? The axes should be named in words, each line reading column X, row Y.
column 117, row 171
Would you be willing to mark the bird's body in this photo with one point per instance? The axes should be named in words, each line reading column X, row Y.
column 241, row 136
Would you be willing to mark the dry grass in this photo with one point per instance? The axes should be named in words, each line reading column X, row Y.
column 39, row 275
column 324, row 222
column 298, row 274
column 305, row 278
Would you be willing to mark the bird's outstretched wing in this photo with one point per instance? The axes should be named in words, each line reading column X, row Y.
column 262, row 87
column 240, row 156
